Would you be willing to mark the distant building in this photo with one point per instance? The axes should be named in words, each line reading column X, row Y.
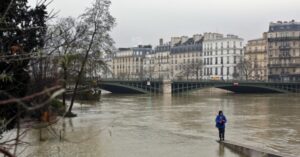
column 283, row 51
column 128, row 63
column 186, row 57
column 211, row 56
column 161, row 61
column 256, row 55
column 221, row 56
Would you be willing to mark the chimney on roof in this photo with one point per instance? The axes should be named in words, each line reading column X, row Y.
column 161, row 42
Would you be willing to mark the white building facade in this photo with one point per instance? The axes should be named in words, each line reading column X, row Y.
column 221, row 56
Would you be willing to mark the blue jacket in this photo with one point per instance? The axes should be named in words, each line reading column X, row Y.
column 220, row 121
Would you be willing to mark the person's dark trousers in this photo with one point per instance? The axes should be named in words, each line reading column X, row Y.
column 222, row 133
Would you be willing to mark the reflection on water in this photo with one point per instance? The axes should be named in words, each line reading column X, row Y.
column 171, row 126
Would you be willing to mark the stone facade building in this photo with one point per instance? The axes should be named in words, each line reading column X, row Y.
column 256, row 55
column 284, row 51
column 129, row 63
column 208, row 56
column 162, row 60
column 221, row 56
column 186, row 57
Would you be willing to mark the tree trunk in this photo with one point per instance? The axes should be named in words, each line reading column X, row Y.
column 64, row 84
column 69, row 113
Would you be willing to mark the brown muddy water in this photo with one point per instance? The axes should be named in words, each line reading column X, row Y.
column 171, row 126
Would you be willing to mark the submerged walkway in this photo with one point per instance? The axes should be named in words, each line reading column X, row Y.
column 251, row 151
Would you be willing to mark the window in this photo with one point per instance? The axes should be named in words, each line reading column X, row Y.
column 234, row 59
column 216, row 60
column 222, row 71
column 216, row 71
column 227, row 70
column 294, row 52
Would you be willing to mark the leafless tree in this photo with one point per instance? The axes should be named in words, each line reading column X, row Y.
column 64, row 37
column 97, row 22
column 244, row 68
column 193, row 69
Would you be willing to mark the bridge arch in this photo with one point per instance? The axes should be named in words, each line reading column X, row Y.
column 121, row 89
column 250, row 89
column 236, row 88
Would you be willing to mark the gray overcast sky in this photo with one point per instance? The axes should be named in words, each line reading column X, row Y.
column 145, row 21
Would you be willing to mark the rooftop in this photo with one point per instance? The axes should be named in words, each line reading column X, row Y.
column 280, row 26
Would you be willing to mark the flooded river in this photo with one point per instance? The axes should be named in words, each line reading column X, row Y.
column 172, row 126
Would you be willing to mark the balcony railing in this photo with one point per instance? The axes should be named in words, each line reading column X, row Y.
column 284, row 47
column 286, row 55
column 289, row 65
column 283, row 39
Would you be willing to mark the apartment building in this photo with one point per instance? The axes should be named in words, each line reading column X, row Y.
column 256, row 56
column 162, row 60
column 284, row 51
column 129, row 63
column 186, row 57
column 221, row 55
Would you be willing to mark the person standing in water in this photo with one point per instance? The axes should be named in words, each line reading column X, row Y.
column 220, row 124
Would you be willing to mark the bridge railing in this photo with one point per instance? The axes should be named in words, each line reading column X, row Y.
column 131, row 79
column 234, row 81
column 185, row 80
